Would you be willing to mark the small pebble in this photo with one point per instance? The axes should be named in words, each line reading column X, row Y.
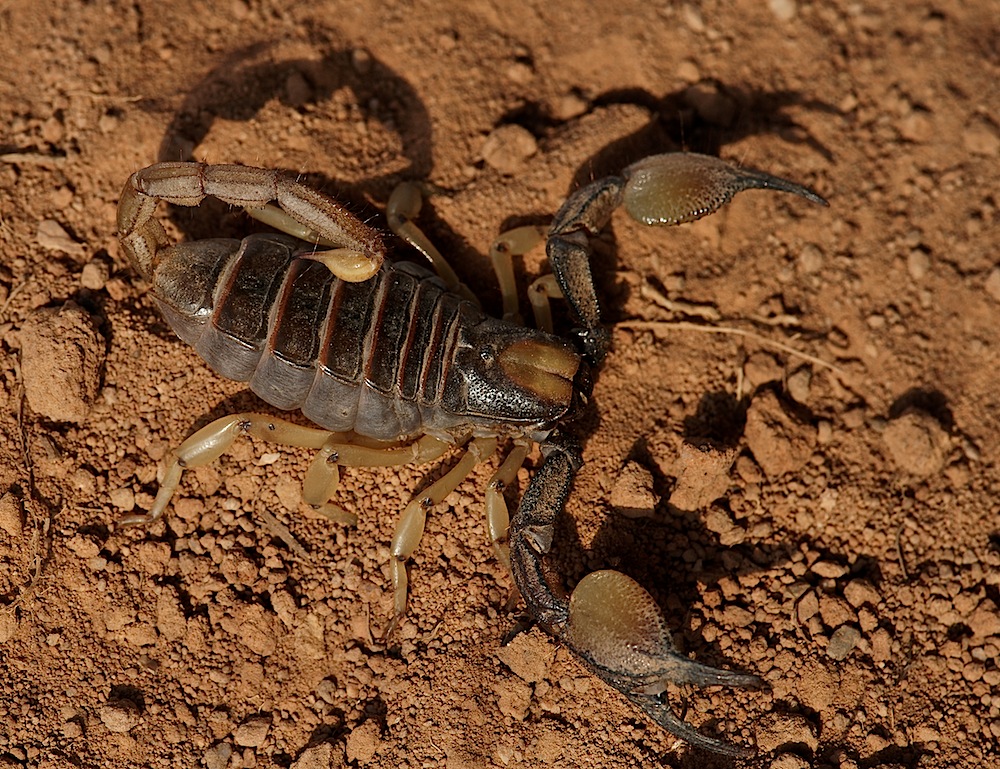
column 843, row 641
column 783, row 10
column 11, row 515
column 62, row 357
column 217, row 757
column 917, row 444
column 508, row 148
column 252, row 732
column 119, row 715
column 632, row 495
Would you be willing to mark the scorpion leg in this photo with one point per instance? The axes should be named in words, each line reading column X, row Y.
column 303, row 212
column 541, row 292
column 323, row 476
column 212, row 441
column 497, row 516
column 505, row 247
column 403, row 207
column 658, row 190
column 610, row 622
column 410, row 526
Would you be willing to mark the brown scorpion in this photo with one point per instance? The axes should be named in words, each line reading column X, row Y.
column 395, row 364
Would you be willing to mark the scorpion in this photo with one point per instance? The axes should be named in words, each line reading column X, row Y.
column 395, row 363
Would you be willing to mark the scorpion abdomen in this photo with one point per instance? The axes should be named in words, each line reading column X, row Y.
column 368, row 357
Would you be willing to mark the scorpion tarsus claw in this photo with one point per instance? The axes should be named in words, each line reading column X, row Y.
column 618, row 629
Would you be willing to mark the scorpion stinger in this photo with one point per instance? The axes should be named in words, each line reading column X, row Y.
column 610, row 622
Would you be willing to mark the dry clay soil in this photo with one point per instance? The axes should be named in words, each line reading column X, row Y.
column 793, row 444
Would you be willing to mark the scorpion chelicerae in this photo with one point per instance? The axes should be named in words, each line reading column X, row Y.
column 395, row 364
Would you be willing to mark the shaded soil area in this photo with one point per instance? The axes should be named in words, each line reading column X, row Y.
column 794, row 442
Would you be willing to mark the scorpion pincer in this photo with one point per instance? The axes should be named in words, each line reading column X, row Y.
column 396, row 364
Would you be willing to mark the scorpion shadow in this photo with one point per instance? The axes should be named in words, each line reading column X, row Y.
column 246, row 80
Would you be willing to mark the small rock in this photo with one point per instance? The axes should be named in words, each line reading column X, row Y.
column 702, row 476
column 252, row 732
column 8, row 624
column 62, row 357
column 917, row 443
column 363, row 742
column 783, row 10
column 799, row 384
column 11, row 515
column 53, row 237
column 858, row 592
column 918, row 264
column 508, row 147
column 789, row 761
column 835, row 611
column 777, row 730
column 807, row 607
column 514, row 701
column 780, row 442
column 95, row 274
column 810, row 259
column 632, row 495
column 317, row 757
column 217, row 756
column 119, row 715
column 993, row 283
column 761, row 368
column 982, row 138
column 529, row 656
column 985, row 620
column 828, row 569
column 843, row 641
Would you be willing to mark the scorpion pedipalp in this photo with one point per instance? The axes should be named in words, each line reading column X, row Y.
column 617, row 627
column 610, row 622
column 673, row 188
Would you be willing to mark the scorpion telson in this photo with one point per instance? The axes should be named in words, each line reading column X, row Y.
column 395, row 364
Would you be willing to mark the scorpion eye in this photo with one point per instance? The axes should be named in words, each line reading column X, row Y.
column 486, row 354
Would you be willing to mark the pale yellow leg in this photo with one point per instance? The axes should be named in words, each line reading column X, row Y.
column 515, row 242
column 323, row 475
column 540, row 292
column 497, row 516
column 403, row 207
column 410, row 527
column 212, row 441
column 346, row 263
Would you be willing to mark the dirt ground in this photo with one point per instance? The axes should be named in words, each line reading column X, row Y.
column 794, row 444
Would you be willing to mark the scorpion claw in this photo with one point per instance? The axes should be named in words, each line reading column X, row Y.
column 617, row 628
column 610, row 622
column 682, row 187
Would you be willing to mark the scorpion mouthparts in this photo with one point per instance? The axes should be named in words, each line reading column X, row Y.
column 544, row 368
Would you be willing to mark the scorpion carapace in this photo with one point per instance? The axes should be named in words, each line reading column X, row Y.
column 395, row 364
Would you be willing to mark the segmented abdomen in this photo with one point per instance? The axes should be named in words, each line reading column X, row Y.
column 369, row 357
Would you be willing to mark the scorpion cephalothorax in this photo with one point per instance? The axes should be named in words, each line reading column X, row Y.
column 396, row 364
